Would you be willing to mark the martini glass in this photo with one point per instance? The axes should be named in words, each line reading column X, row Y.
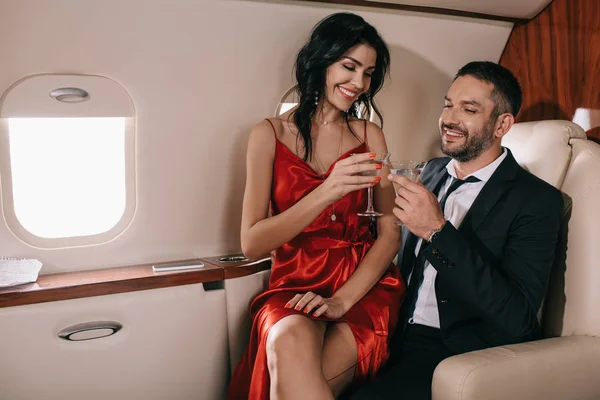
column 381, row 159
column 409, row 169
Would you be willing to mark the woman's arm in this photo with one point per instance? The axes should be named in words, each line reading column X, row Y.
column 378, row 258
column 261, row 234
column 386, row 246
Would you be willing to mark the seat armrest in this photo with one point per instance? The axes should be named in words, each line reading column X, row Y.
column 557, row 368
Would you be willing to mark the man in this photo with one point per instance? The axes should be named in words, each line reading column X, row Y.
column 479, row 240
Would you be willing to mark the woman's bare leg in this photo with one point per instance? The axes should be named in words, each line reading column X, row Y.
column 339, row 357
column 294, row 357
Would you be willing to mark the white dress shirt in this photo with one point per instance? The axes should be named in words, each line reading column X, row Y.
column 458, row 204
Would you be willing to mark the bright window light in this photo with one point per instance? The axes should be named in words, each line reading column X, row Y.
column 287, row 106
column 68, row 174
column 587, row 118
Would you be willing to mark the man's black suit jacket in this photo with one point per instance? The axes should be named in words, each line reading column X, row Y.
column 493, row 271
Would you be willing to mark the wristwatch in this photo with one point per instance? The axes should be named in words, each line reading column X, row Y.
column 434, row 233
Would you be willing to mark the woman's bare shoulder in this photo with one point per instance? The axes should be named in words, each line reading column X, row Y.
column 262, row 136
column 375, row 137
column 374, row 129
column 358, row 125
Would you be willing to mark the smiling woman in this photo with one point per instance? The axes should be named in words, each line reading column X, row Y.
column 333, row 294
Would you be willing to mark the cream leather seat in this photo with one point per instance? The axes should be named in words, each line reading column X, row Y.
column 567, row 364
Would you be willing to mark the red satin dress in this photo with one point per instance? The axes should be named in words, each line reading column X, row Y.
column 320, row 260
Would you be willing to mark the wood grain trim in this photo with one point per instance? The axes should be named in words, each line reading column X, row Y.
column 556, row 57
column 429, row 10
column 75, row 285
column 239, row 269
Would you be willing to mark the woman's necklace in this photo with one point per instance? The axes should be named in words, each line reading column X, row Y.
column 333, row 120
column 327, row 122
column 333, row 217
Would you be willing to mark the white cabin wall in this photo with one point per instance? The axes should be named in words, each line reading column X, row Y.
column 173, row 345
column 201, row 73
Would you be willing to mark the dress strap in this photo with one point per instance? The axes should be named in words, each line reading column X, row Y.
column 365, row 134
column 272, row 126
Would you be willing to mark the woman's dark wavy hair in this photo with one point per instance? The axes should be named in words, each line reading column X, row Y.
column 330, row 39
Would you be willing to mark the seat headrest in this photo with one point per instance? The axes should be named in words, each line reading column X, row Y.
column 542, row 147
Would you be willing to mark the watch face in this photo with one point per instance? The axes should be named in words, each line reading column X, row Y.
column 433, row 236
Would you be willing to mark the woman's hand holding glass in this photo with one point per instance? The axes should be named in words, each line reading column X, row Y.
column 312, row 303
column 379, row 160
column 348, row 175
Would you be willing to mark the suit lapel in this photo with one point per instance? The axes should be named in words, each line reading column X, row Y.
column 493, row 190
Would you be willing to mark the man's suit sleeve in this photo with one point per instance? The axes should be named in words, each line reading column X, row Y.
column 507, row 295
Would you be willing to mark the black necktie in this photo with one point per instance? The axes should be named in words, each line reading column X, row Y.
column 418, row 270
column 456, row 183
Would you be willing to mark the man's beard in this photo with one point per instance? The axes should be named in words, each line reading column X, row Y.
column 474, row 146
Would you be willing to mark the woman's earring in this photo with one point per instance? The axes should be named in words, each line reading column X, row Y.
column 316, row 98
column 357, row 109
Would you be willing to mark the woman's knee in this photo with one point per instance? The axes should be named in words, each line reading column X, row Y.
column 294, row 339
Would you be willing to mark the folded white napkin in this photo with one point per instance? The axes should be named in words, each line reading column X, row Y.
column 17, row 272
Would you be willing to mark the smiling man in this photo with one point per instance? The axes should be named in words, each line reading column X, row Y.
column 479, row 240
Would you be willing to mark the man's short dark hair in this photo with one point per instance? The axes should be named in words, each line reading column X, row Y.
column 507, row 94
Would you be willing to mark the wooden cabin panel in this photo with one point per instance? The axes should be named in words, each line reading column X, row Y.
column 557, row 59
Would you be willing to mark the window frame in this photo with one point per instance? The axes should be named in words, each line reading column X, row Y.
column 6, row 188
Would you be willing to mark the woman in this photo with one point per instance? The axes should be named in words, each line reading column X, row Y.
column 333, row 295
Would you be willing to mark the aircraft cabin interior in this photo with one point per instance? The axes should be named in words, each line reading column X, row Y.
column 124, row 129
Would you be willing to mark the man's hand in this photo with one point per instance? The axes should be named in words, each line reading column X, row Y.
column 417, row 208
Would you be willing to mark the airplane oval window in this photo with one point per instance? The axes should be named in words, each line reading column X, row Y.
column 67, row 159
